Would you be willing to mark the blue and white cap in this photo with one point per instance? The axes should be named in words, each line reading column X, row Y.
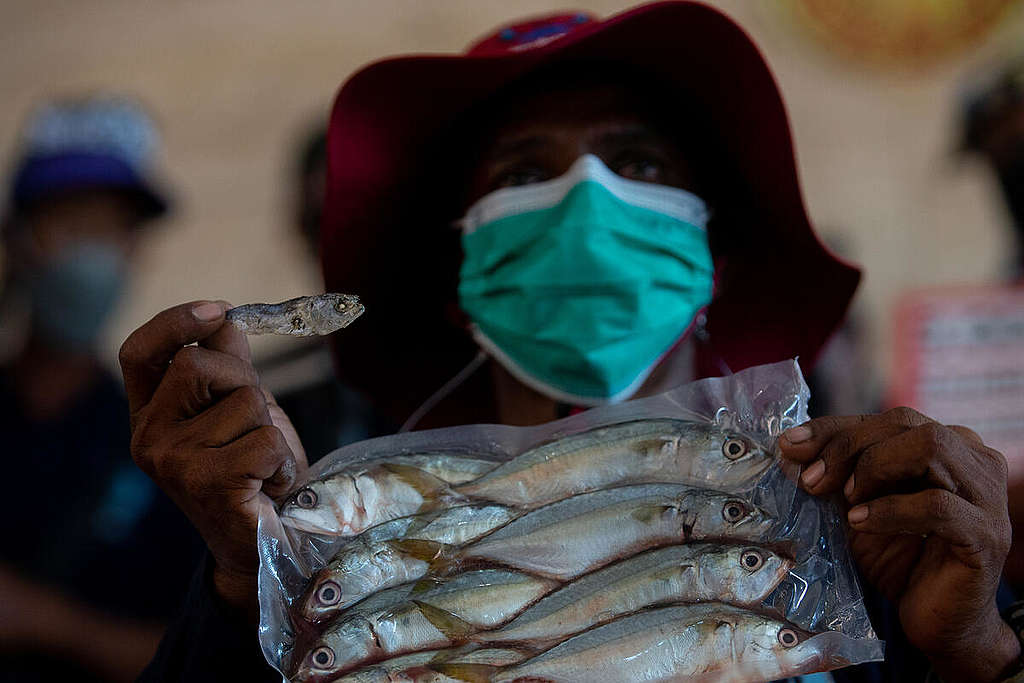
column 98, row 142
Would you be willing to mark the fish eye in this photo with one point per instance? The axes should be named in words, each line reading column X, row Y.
column 752, row 560
column 733, row 511
column 329, row 593
column 340, row 306
column 734, row 448
column 788, row 637
column 323, row 656
column 306, row 498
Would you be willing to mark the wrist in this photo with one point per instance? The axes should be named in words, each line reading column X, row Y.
column 238, row 590
column 990, row 653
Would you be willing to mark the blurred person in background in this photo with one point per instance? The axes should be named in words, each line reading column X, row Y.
column 630, row 220
column 326, row 413
column 993, row 129
column 92, row 554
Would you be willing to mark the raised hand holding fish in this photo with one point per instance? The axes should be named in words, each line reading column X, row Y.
column 206, row 433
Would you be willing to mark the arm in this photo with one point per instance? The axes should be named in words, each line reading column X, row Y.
column 928, row 527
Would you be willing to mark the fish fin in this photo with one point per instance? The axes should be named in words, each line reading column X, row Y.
column 423, row 585
column 426, row 484
column 453, row 627
column 425, row 551
column 649, row 513
column 471, row 673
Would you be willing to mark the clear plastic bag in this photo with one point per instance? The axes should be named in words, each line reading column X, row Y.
column 432, row 515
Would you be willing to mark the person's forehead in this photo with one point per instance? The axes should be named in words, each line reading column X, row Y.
column 611, row 111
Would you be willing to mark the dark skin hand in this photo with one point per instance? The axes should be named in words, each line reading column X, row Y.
column 928, row 527
column 208, row 435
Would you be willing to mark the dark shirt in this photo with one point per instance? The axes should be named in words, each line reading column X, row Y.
column 81, row 518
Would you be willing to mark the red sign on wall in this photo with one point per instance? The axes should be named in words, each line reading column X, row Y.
column 960, row 359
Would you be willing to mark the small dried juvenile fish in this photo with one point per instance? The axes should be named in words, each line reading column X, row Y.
column 377, row 491
column 574, row 536
column 304, row 316
column 642, row 451
column 436, row 617
column 707, row 642
column 700, row 572
column 392, row 553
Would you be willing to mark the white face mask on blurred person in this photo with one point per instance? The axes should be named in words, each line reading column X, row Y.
column 73, row 293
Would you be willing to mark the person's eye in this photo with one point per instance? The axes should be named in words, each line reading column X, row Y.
column 645, row 169
column 517, row 176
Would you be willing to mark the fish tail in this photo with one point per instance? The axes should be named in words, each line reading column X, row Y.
column 471, row 673
column 451, row 626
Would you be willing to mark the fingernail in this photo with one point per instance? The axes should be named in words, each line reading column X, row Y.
column 206, row 313
column 813, row 474
column 857, row 514
column 848, row 489
column 798, row 434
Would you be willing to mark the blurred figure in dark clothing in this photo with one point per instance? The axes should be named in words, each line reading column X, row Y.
column 326, row 413
column 993, row 128
column 93, row 554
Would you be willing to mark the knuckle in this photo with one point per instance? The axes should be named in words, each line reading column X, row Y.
column 839, row 448
column 189, row 360
column 272, row 440
column 129, row 354
column 934, row 437
column 939, row 504
column 904, row 416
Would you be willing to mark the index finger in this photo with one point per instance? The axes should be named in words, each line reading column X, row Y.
column 803, row 443
column 146, row 353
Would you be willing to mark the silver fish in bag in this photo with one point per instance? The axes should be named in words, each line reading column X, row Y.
column 429, row 619
column 643, row 451
column 705, row 643
column 393, row 553
column 369, row 493
column 572, row 537
column 700, row 572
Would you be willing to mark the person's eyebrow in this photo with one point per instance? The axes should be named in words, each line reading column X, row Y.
column 632, row 134
column 520, row 144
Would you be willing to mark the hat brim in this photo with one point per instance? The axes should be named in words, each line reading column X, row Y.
column 783, row 298
column 40, row 177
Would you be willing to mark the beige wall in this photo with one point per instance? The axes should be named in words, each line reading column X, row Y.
column 234, row 82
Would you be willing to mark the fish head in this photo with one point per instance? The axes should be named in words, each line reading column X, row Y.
column 722, row 515
column 720, row 457
column 743, row 575
column 319, row 507
column 342, row 646
column 331, row 312
column 780, row 644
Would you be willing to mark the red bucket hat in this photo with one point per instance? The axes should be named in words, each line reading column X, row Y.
column 779, row 294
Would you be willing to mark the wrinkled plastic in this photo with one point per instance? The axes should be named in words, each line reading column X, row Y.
column 820, row 594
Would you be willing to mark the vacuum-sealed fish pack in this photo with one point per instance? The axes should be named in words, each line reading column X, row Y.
column 661, row 539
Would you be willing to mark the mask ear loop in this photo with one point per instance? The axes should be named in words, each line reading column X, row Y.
column 700, row 331
column 446, row 389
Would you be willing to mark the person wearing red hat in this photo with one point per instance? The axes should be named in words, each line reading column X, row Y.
column 573, row 212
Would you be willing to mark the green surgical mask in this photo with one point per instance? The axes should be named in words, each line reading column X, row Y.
column 581, row 284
